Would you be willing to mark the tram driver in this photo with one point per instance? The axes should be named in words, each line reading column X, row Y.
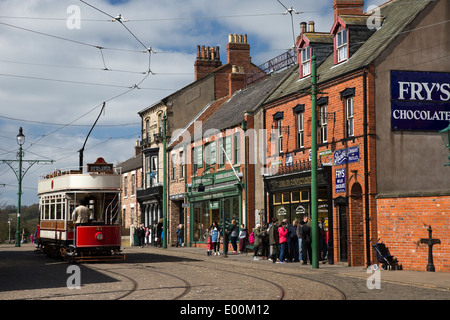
column 81, row 213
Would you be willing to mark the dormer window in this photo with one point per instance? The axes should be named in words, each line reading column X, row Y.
column 306, row 61
column 341, row 45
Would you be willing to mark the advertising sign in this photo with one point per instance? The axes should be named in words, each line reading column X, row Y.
column 339, row 178
column 420, row 101
column 347, row 155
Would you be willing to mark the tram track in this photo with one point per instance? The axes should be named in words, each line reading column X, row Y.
column 135, row 282
column 341, row 293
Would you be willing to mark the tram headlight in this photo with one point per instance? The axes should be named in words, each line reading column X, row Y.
column 99, row 236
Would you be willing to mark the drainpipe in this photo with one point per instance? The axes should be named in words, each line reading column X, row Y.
column 366, row 169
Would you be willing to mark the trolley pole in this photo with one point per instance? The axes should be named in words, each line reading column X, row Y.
column 314, row 218
column 164, row 184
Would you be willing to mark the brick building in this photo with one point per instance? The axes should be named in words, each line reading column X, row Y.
column 219, row 151
column 131, row 170
column 380, row 175
column 213, row 80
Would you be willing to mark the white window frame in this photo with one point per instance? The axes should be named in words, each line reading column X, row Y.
column 300, row 131
column 349, row 111
column 280, row 135
column 342, row 45
column 323, row 124
column 306, row 61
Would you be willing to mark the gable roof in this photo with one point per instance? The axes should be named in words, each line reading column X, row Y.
column 397, row 14
column 232, row 112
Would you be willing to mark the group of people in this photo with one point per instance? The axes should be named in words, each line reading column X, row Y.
column 277, row 242
column 231, row 234
column 154, row 235
column 283, row 242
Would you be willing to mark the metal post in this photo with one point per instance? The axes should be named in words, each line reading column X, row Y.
column 19, row 198
column 314, row 217
column 164, row 185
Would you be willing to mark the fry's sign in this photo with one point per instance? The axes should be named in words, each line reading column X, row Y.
column 420, row 100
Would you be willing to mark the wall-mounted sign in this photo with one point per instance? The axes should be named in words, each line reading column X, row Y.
column 347, row 155
column 420, row 100
column 339, row 179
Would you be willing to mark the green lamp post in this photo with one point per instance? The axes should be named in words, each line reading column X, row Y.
column 20, row 142
column 445, row 134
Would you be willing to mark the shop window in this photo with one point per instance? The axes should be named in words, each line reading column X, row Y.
column 304, row 196
column 277, row 198
column 286, row 197
column 295, row 196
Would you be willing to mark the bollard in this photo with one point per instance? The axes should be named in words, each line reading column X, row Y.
column 430, row 242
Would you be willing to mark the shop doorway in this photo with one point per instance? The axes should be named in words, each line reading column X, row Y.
column 343, row 236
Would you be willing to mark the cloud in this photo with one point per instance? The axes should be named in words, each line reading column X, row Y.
column 53, row 82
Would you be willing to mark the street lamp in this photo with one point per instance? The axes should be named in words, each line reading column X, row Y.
column 445, row 134
column 20, row 142
column 20, row 173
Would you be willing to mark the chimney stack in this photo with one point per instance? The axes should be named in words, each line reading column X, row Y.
column 208, row 59
column 348, row 7
column 302, row 27
column 311, row 26
column 238, row 50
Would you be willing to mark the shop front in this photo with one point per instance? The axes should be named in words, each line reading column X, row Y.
column 220, row 201
column 289, row 195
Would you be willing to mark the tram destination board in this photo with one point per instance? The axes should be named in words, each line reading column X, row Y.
column 100, row 166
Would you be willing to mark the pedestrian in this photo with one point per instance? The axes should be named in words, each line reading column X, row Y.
column 147, row 235
column 155, row 233
column 159, row 230
column 234, row 233
column 265, row 252
column 273, row 239
column 322, row 239
column 214, row 231
column 141, row 235
column 306, row 242
column 293, row 241
column 257, row 242
column 208, row 244
column 299, row 236
column 180, row 235
column 243, row 239
column 282, row 236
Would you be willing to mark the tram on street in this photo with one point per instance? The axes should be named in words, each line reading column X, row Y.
column 93, row 235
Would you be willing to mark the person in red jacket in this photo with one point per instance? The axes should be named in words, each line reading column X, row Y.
column 282, row 236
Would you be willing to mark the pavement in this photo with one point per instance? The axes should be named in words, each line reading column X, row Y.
column 436, row 280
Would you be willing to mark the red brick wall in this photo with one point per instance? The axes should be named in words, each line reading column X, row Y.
column 402, row 222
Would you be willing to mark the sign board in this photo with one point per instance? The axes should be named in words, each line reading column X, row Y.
column 348, row 155
column 420, row 101
column 100, row 166
column 339, row 179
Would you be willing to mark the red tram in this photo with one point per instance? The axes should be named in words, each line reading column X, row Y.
column 98, row 237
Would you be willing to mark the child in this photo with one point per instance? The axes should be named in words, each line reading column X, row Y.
column 208, row 245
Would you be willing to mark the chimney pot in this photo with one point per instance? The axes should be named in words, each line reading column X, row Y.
column 311, row 26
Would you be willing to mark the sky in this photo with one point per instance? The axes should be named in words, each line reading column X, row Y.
column 62, row 59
